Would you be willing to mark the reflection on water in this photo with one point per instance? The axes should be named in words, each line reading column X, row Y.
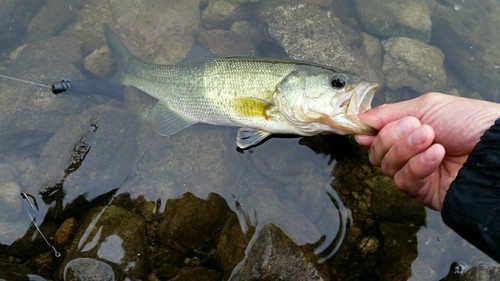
column 119, row 201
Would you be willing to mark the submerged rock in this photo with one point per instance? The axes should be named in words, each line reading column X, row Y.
column 309, row 33
column 467, row 31
column 221, row 13
column 14, row 18
column 44, row 25
column 88, row 157
column 34, row 109
column 396, row 18
column 194, row 223
column 415, row 64
column 109, row 244
column 226, row 43
column 273, row 256
column 480, row 272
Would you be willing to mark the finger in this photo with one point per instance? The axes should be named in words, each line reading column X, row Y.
column 414, row 176
column 406, row 148
column 364, row 140
column 390, row 135
column 382, row 115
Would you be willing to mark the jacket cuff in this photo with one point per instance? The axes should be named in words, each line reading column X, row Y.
column 472, row 203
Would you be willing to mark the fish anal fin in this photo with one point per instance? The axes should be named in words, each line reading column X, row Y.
column 247, row 137
column 168, row 122
column 250, row 107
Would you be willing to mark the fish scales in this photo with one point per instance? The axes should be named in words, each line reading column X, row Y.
column 261, row 96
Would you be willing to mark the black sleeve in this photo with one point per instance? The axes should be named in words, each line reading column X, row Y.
column 472, row 204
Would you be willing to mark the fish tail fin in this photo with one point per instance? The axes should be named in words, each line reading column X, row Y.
column 126, row 62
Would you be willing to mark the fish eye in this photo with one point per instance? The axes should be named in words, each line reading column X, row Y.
column 338, row 82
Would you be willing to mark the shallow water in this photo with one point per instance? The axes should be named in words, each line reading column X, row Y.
column 77, row 154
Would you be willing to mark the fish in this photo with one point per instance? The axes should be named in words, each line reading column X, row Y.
column 261, row 96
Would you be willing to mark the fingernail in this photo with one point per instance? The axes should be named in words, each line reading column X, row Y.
column 428, row 156
column 416, row 138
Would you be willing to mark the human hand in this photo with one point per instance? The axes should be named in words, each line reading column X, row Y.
column 423, row 142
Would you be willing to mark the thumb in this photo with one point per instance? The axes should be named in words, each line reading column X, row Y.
column 384, row 114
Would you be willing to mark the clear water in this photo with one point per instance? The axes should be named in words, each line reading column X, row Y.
column 284, row 181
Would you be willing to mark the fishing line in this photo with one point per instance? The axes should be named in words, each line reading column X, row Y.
column 25, row 81
column 32, row 205
column 56, row 88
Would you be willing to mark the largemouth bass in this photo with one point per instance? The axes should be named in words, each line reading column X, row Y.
column 261, row 96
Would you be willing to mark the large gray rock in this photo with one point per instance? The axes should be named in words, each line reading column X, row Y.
column 14, row 18
column 396, row 18
column 308, row 33
column 469, row 35
column 44, row 24
column 33, row 108
column 273, row 256
column 414, row 64
column 109, row 244
column 480, row 272
column 208, row 216
column 88, row 157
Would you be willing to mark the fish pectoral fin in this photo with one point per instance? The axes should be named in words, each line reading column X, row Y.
column 247, row 137
column 250, row 107
column 168, row 122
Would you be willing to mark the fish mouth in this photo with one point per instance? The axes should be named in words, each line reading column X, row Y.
column 361, row 98
column 348, row 122
column 360, row 102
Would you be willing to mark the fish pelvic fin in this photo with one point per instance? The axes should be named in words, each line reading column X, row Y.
column 125, row 61
column 167, row 122
column 247, row 137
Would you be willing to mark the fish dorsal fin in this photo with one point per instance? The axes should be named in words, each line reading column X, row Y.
column 168, row 122
column 247, row 137
column 195, row 54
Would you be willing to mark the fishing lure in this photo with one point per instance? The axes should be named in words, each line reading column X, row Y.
column 85, row 87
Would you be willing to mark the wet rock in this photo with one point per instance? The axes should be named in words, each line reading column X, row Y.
column 390, row 204
column 373, row 50
column 232, row 244
column 308, row 33
column 64, row 232
column 225, row 43
column 13, row 219
column 247, row 30
column 207, row 217
column 28, row 108
column 321, row 3
column 100, row 63
column 368, row 245
column 396, row 18
column 88, row 157
column 385, row 223
column 8, row 173
column 480, row 272
column 110, row 242
column 14, row 18
column 273, row 256
column 221, row 13
column 415, row 64
column 10, row 196
column 470, row 37
column 399, row 248
column 154, row 30
column 197, row 274
column 14, row 272
column 44, row 24
column 81, row 269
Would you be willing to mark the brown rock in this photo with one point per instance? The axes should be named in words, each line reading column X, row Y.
column 64, row 232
